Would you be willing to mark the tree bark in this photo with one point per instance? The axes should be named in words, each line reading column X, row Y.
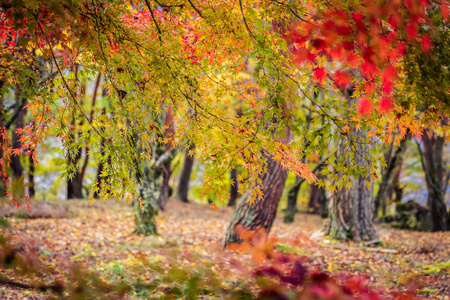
column 318, row 203
column 74, row 184
column 262, row 212
column 432, row 164
column 31, row 189
column 291, row 208
column 146, row 207
column 234, row 187
column 18, row 177
column 392, row 164
column 3, row 175
column 351, row 210
column 183, row 185
column 167, row 172
column 150, row 181
column 101, row 166
column 323, row 202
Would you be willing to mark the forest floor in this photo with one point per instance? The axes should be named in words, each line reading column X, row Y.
column 99, row 236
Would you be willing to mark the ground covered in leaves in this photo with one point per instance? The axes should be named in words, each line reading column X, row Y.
column 99, row 237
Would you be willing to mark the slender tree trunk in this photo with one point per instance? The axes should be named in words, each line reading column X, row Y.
column 262, row 212
column 168, row 134
column 432, row 163
column 18, row 177
column 183, row 185
column 3, row 132
column 291, row 208
column 234, row 187
column 101, row 166
column 313, row 203
column 323, row 202
column 392, row 164
column 75, row 184
column 31, row 189
column 75, row 187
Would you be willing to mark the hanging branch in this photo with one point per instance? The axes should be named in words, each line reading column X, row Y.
column 91, row 118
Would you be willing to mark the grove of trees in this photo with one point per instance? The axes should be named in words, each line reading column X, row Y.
column 260, row 101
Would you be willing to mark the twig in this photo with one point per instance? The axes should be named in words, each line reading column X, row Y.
column 42, row 287
column 371, row 249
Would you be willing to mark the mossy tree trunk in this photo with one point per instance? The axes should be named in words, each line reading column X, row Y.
column 146, row 207
column 150, row 180
column 183, row 185
column 262, row 213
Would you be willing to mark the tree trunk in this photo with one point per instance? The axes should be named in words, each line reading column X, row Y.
column 146, row 207
column 31, row 189
column 432, row 163
column 3, row 132
column 183, row 185
column 168, row 134
column 291, row 208
column 75, row 184
column 262, row 213
column 234, row 187
column 351, row 213
column 313, row 203
column 392, row 164
column 164, row 195
column 18, row 177
column 323, row 202
column 101, row 180
column 150, row 181
column 351, row 209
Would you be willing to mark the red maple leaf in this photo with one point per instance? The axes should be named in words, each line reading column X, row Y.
column 385, row 105
column 411, row 30
column 348, row 45
column 426, row 43
column 320, row 74
column 364, row 107
column 342, row 79
column 445, row 10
